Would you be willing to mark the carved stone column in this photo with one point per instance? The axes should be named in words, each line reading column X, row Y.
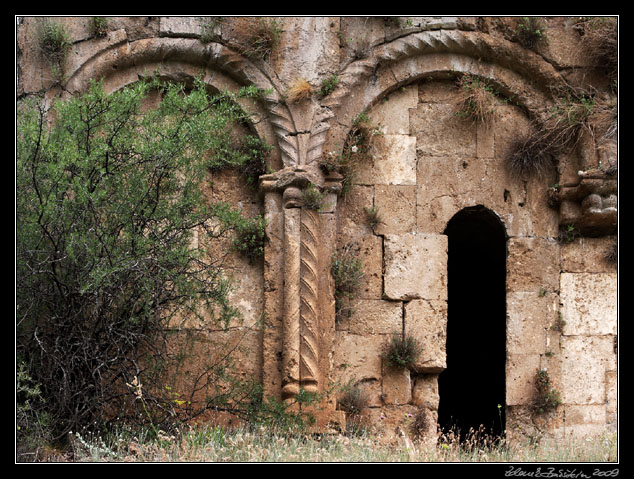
column 305, row 299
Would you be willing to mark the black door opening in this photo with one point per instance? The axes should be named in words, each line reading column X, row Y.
column 472, row 388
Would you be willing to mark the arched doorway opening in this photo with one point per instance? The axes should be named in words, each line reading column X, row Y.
column 472, row 388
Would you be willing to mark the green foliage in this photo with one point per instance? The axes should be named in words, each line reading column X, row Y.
column 402, row 351
column 100, row 26
column 328, row 85
column 548, row 398
column 374, row 216
column 250, row 238
column 313, row 198
column 352, row 400
column 530, row 31
column 347, row 270
column 55, row 43
column 113, row 238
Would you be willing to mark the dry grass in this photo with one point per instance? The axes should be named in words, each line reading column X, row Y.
column 299, row 91
column 477, row 99
column 215, row 444
column 257, row 36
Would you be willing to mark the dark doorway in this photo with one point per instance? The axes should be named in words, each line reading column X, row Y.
column 472, row 388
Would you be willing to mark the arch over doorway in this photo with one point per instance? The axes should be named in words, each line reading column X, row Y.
column 472, row 388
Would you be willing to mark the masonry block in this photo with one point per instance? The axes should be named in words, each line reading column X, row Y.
column 415, row 266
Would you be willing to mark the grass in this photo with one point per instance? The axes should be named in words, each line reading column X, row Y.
column 217, row 444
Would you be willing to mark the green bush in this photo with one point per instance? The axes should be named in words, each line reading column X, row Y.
column 108, row 206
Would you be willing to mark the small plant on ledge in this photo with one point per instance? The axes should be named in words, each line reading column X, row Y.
column 548, row 398
column 346, row 270
column 402, row 351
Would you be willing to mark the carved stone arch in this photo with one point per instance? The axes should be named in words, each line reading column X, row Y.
column 181, row 59
column 518, row 73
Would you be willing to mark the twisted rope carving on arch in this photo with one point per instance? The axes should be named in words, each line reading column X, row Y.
column 193, row 57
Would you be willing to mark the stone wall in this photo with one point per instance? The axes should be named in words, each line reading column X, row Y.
column 424, row 164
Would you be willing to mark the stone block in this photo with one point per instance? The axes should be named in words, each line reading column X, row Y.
column 425, row 391
column 415, row 266
column 427, row 322
column 396, row 205
column 393, row 161
column 397, row 386
column 589, row 303
column 439, row 132
column 373, row 316
column 529, row 318
column 357, row 358
column 585, row 360
column 532, row 264
column 587, row 255
column 391, row 115
column 520, row 378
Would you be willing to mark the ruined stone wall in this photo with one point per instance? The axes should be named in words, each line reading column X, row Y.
column 424, row 164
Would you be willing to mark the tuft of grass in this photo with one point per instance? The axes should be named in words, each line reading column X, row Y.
column 477, row 100
column 54, row 41
column 352, row 399
column 313, row 198
column 599, row 42
column 530, row 31
column 347, row 271
column 258, row 36
column 299, row 91
column 100, row 26
column 536, row 154
column 215, row 443
column 374, row 216
column 402, row 351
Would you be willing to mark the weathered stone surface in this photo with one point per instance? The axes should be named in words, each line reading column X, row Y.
column 396, row 205
column 425, row 391
column 415, row 266
column 357, row 358
column 585, row 360
column 532, row 265
column 426, row 320
column 397, row 386
column 391, row 115
column 439, row 132
column 428, row 164
column 373, row 316
column 589, row 303
column 529, row 318
column 394, row 161
column 520, row 378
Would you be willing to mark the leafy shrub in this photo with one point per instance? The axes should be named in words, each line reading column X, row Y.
column 109, row 202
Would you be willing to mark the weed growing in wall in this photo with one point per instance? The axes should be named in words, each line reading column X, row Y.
column 547, row 398
column 530, row 31
column 402, row 351
column 299, row 90
column 477, row 100
column 328, row 85
column 347, row 272
column 258, row 36
column 55, row 43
